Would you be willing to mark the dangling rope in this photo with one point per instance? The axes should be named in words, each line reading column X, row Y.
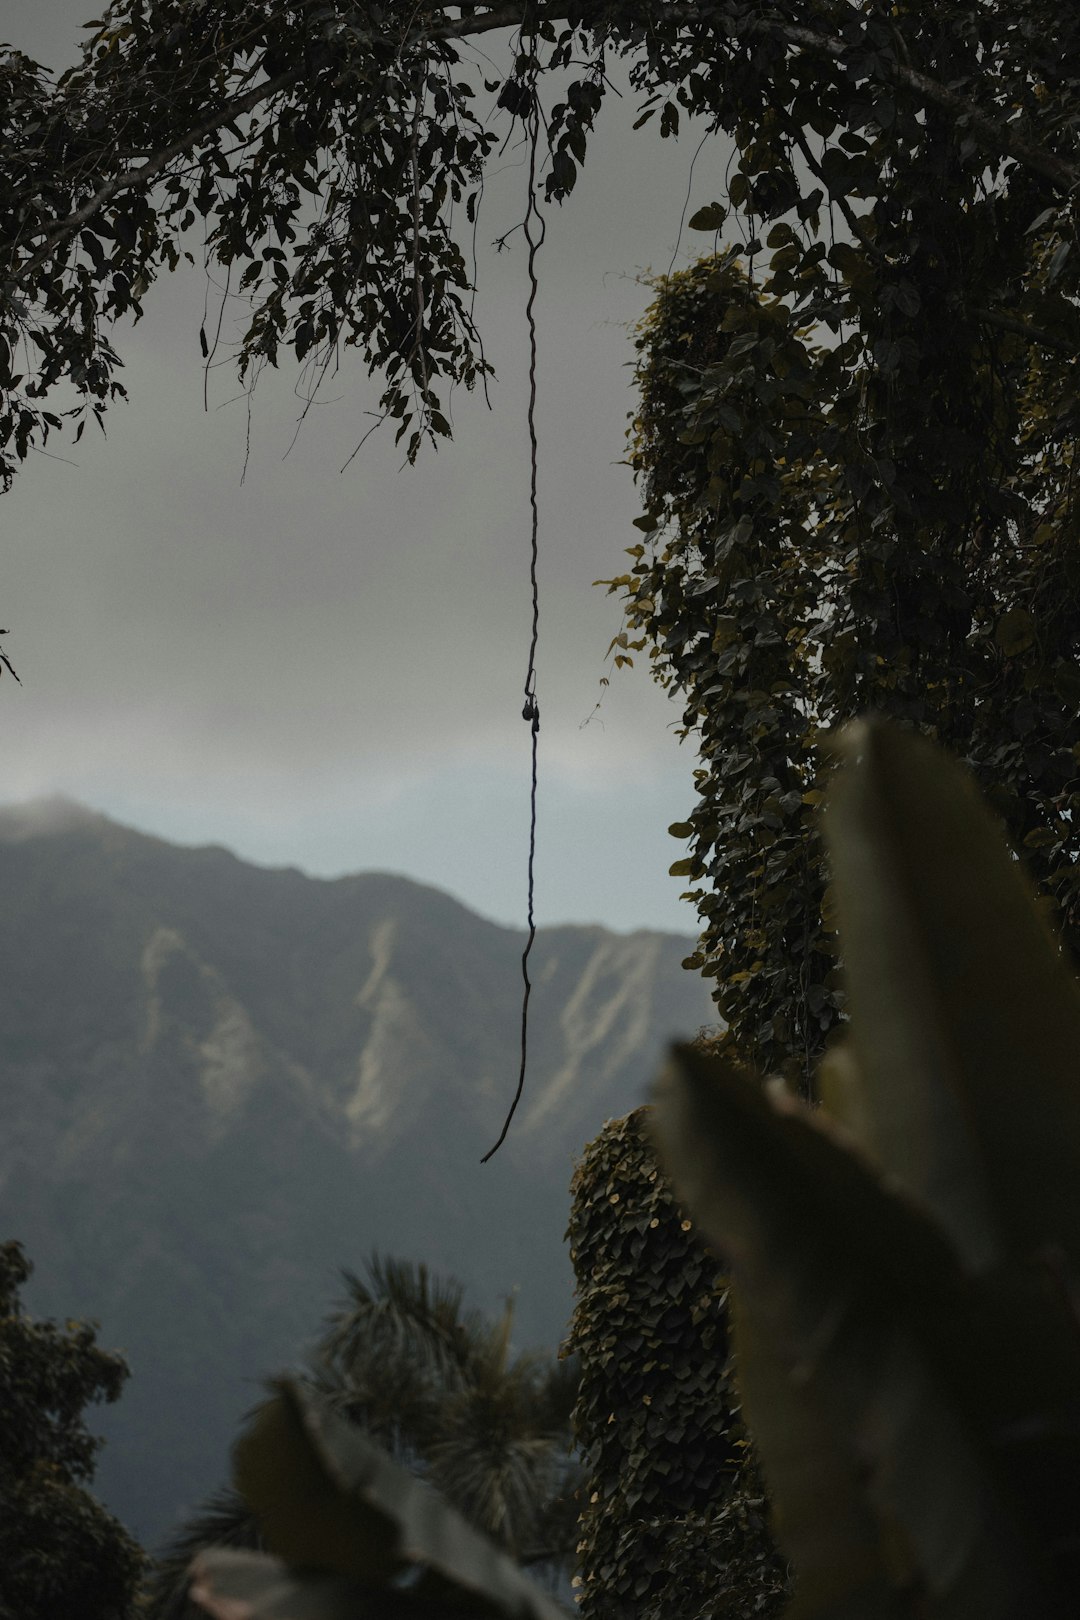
column 531, row 709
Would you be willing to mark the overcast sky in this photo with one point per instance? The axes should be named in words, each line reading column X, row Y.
column 322, row 669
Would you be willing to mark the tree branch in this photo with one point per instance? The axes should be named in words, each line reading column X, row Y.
column 853, row 224
column 1005, row 138
column 58, row 235
column 1015, row 324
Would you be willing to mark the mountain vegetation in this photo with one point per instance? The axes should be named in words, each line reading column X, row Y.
column 60, row 1551
column 223, row 1085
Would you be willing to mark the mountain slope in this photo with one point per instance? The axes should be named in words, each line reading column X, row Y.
column 222, row 1083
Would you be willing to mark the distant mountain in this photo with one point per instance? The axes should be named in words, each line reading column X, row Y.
column 220, row 1084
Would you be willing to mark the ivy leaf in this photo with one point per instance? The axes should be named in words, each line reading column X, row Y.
column 1014, row 632
column 709, row 218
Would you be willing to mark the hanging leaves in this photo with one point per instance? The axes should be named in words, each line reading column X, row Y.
column 324, row 147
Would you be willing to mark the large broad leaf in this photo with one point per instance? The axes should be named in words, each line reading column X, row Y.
column 966, row 1018
column 853, row 1328
column 327, row 1498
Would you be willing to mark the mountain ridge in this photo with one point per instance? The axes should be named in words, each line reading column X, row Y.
column 55, row 813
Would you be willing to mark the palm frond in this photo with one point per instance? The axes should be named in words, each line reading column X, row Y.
column 403, row 1312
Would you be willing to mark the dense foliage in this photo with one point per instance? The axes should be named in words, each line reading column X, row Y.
column 856, row 444
column 673, row 1522
column 905, row 1321
column 61, row 1553
column 784, row 597
column 331, row 152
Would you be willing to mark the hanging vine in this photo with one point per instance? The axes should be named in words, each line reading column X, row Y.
column 526, row 104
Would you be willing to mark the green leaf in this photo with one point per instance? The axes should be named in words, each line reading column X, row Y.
column 966, row 1017
column 563, row 170
column 709, row 218
column 329, row 1499
column 1014, row 632
column 786, row 257
column 1067, row 682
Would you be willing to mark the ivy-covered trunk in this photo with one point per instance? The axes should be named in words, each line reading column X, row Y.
column 827, row 536
column 673, row 1519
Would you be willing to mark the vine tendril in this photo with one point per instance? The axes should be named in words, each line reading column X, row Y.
column 535, row 230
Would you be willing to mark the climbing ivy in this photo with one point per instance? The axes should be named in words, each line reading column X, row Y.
column 856, row 444
column 727, row 589
column 656, row 1418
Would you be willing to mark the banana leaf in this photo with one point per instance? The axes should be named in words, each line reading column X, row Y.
column 965, row 1014
column 854, row 1332
column 328, row 1499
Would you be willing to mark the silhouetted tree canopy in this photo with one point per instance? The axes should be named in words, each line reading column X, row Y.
column 330, row 152
column 61, row 1553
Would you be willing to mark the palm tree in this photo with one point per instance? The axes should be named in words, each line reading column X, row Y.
column 439, row 1387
